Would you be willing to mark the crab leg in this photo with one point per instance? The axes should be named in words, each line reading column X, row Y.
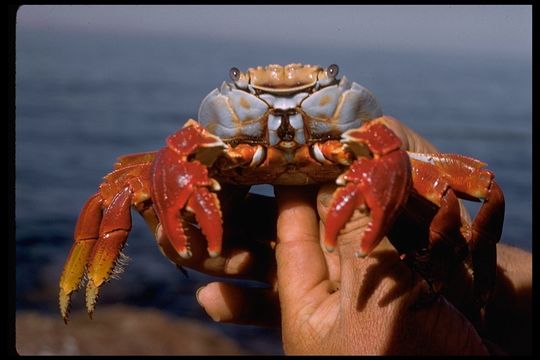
column 447, row 246
column 103, row 227
column 113, row 233
column 434, row 185
column 442, row 172
column 86, row 235
column 180, row 184
column 483, row 244
column 380, row 183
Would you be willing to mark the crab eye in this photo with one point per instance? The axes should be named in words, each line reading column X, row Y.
column 234, row 73
column 332, row 70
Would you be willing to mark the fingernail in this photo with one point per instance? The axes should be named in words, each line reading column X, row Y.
column 197, row 295
column 158, row 232
column 325, row 197
column 238, row 263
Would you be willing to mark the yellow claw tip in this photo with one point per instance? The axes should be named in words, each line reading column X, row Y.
column 64, row 300
column 92, row 292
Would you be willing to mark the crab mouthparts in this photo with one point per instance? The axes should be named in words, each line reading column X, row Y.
column 286, row 129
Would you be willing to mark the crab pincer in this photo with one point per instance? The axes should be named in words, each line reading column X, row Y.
column 181, row 183
column 379, row 182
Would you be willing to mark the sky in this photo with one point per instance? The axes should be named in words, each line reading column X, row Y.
column 466, row 28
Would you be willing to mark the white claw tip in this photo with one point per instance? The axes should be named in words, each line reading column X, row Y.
column 213, row 254
column 360, row 254
column 185, row 254
column 341, row 181
column 214, row 185
column 330, row 249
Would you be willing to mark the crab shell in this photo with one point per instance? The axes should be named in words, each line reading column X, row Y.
column 286, row 106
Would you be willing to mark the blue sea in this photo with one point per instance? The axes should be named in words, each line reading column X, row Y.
column 83, row 99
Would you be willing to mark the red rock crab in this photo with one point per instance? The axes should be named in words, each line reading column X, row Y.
column 289, row 125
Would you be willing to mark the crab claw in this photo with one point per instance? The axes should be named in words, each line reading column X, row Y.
column 181, row 183
column 380, row 184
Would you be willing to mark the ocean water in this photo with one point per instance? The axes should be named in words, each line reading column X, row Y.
column 83, row 99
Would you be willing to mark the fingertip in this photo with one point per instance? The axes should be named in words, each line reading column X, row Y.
column 324, row 198
column 211, row 298
column 229, row 303
column 197, row 294
column 294, row 193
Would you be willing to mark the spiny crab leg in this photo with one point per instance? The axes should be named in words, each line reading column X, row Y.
column 86, row 235
column 103, row 228
column 113, row 233
column 181, row 182
column 435, row 176
column 379, row 181
column 97, row 253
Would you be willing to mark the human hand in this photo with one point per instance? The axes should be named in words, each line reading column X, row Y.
column 333, row 303
column 341, row 304
column 388, row 287
column 249, row 236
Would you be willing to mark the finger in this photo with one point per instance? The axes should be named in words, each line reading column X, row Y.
column 230, row 303
column 256, row 262
column 300, row 259
column 324, row 198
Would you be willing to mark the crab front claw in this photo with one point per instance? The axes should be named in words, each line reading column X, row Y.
column 378, row 180
column 181, row 183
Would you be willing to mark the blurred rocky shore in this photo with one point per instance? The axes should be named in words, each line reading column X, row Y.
column 119, row 330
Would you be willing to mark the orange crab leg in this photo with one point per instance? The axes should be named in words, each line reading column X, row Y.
column 113, row 232
column 434, row 185
column 103, row 227
column 381, row 183
column 86, row 234
column 434, row 176
column 447, row 246
column 483, row 243
column 446, row 226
